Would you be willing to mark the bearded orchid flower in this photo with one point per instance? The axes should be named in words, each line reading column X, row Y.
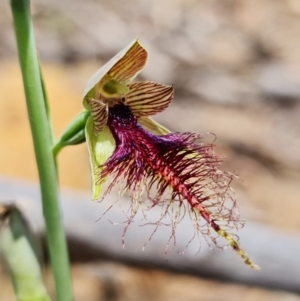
column 126, row 144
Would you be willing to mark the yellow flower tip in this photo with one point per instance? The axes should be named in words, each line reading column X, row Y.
column 247, row 260
column 251, row 265
column 255, row 267
column 235, row 246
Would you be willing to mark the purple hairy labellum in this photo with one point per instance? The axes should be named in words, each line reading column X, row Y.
column 177, row 162
column 125, row 143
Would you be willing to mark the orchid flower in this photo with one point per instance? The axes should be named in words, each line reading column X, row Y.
column 127, row 145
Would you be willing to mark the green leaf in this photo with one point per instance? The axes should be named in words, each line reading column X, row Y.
column 100, row 148
column 19, row 250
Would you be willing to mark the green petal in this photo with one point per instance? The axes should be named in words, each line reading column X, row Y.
column 117, row 72
column 100, row 149
column 152, row 126
column 148, row 98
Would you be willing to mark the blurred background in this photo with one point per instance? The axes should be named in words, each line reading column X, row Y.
column 235, row 67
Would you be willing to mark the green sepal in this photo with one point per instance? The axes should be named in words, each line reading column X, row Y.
column 74, row 132
column 100, row 148
column 19, row 250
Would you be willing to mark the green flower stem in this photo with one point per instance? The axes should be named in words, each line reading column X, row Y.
column 41, row 135
column 74, row 132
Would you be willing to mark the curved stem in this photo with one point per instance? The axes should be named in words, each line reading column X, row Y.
column 58, row 146
column 41, row 134
column 73, row 134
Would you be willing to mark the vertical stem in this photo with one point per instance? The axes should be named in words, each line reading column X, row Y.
column 42, row 140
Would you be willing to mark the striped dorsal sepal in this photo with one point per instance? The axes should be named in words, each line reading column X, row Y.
column 128, row 65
